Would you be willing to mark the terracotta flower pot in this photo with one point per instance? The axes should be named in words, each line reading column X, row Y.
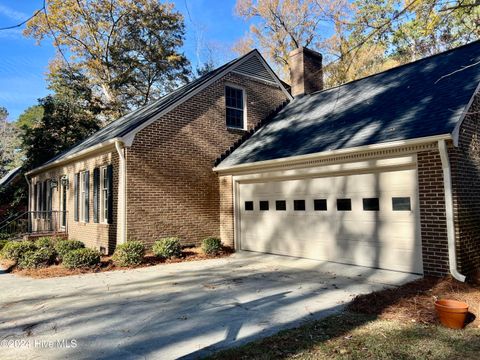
column 452, row 313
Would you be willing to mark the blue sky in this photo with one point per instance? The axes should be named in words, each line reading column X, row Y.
column 210, row 24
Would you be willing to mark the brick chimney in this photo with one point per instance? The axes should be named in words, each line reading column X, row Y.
column 306, row 74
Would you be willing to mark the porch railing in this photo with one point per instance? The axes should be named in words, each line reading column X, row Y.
column 36, row 222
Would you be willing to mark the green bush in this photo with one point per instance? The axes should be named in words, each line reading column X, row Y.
column 167, row 248
column 13, row 250
column 2, row 244
column 212, row 246
column 63, row 247
column 45, row 242
column 129, row 254
column 5, row 236
column 81, row 258
column 41, row 257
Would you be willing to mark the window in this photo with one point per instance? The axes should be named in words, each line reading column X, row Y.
column 281, row 205
column 371, row 204
column 248, row 205
column 299, row 205
column 344, row 204
column 264, row 205
column 401, row 204
column 104, row 194
column 234, row 102
column 320, row 204
column 84, row 195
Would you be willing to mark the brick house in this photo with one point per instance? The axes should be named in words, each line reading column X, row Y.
column 380, row 172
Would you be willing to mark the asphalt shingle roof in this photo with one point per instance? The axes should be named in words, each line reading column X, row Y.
column 134, row 119
column 4, row 181
column 411, row 101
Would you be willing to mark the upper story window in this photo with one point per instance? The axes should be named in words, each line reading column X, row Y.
column 235, row 107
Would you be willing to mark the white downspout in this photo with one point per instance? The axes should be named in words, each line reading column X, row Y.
column 447, row 182
column 122, row 199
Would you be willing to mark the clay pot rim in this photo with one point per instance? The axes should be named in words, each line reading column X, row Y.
column 451, row 305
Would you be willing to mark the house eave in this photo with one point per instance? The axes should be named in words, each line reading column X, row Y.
column 96, row 149
column 295, row 160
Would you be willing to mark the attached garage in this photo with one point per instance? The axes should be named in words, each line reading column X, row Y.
column 380, row 172
column 368, row 219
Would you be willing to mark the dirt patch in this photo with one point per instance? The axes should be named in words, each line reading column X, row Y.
column 106, row 264
column 414, row 302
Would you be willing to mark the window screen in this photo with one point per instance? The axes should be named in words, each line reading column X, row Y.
column 371, row 204
column 401, row 204
column 344, row 204
column 234, row 107
column 320, row 204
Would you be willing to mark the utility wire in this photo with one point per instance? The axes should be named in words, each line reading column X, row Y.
column 25, row 21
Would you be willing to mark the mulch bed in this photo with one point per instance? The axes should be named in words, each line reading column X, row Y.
column 415, row 301
column 106, row 264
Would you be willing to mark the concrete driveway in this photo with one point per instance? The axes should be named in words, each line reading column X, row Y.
column 185, row 310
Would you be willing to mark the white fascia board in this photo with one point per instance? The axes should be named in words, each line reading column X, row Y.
column 96, row 148
column 259, row 165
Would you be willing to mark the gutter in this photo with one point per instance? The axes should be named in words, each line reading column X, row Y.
column 292, row 160
column 69, row 158
column 122, row 192
column 447, row 182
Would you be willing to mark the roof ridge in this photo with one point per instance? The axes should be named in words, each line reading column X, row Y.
column 398, row 67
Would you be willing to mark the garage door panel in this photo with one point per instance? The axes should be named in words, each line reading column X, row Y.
column 384, row 238
column 386, row 230
column 401, row 260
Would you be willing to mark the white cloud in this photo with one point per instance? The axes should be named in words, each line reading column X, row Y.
column 12, row 14
column 11, row 34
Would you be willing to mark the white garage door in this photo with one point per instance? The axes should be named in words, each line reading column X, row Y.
column 366, row 219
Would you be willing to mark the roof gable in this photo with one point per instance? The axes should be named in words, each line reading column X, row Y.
column 251, row 64
column 424, row 98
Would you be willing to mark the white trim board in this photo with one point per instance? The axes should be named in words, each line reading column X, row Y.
column 394, row 146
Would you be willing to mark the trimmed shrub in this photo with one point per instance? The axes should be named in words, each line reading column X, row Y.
column 129, row 254
column 13, row 250
column 167, row 248
column 45, row 242
column 32, row 259
column 81, row 258
column 211, row 245
column 63, row 247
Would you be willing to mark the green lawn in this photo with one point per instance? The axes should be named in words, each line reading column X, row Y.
column 358, row 336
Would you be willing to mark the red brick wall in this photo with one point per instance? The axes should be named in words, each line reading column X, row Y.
column 433, row 223
column 465, row 163
column 172, row 190
column 226, row 210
